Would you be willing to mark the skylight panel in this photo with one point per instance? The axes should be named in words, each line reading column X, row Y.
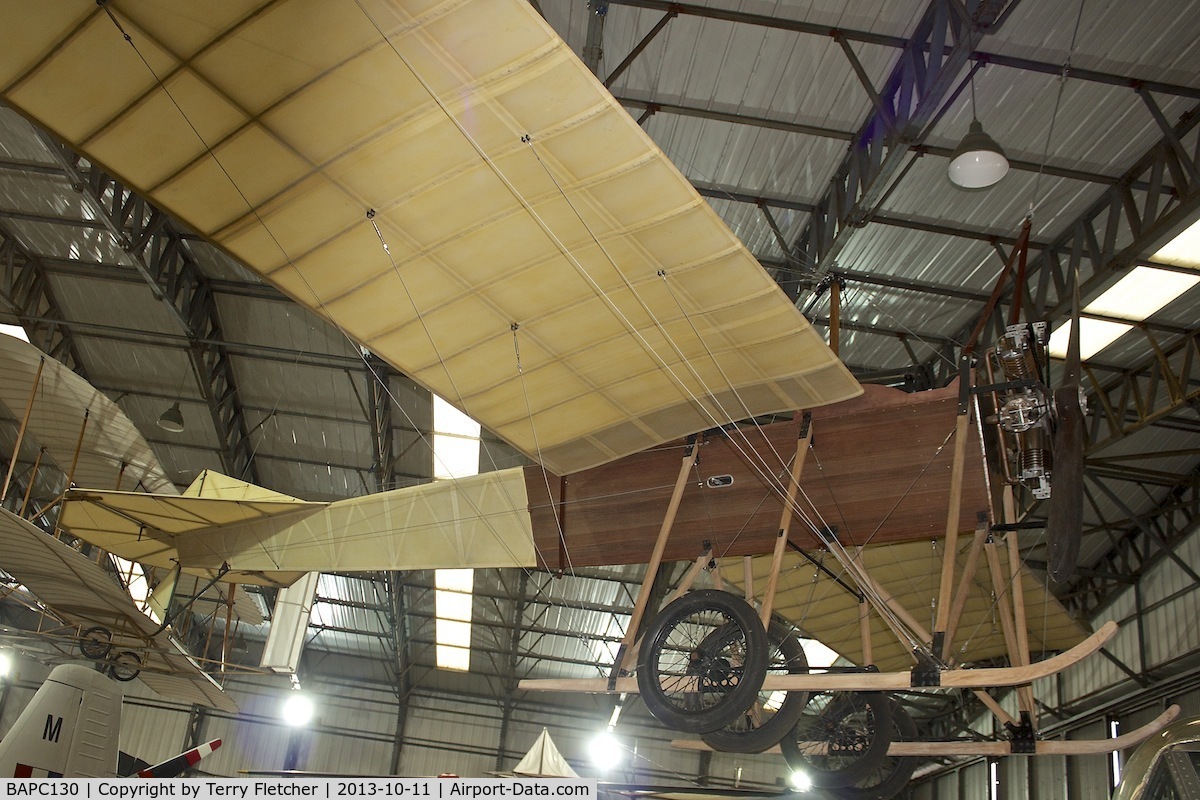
column 455, row 455
column 1135, row 297
column 452, row 600
column 15, row 331
column 454, row 605
column 1142, row 293
column 454, row 580
column 454, row 633
column 456, row 658
column 1183, row 250
column 818, row 655
column 1094, row 336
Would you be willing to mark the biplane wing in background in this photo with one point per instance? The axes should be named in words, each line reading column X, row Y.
column 87, row 598
column 64, row 423
column 75, row 423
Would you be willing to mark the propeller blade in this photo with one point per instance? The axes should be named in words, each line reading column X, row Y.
column 1064, row 523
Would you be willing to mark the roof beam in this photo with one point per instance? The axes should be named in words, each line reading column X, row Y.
column 1163, row 384
column 723, row 193
column 982, row 57
column 27, row 290
column 121, row 273
column 158, row 251
column 593, row 48
column 379, row 414
column 1122, row 227
column 640, row 46
column 157, row 338
column 910, row 101
column 681, row 110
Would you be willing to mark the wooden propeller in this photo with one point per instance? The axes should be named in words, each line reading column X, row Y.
column 1064, row 523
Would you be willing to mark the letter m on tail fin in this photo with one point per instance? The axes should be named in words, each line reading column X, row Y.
column 53, row 728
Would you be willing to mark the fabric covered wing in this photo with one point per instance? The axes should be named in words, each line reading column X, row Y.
column 547, row 268
column 481, row 521
column 149, row 528
column 910, row 573
column 81, row 593
column 112, row 450
column 175, row 674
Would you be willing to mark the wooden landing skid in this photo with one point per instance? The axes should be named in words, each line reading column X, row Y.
column 1056, row 747
column 867, row 681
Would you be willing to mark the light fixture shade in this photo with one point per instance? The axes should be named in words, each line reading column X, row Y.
column 977, row 162
column 172, row 419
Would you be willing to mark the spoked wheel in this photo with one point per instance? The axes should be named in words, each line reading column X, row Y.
column 772, row 714
column 125, row 666
column 841, row 738
column 893, row 773
column 95, row 643
column 702, row 661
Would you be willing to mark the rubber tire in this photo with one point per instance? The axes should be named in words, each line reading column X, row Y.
column 95, row 643
column 687, row 625
column 125, row 666
column 858, row 720
column 786, row 656
column 893, row 774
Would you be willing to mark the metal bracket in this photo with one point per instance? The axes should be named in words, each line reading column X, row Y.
column 616, row 671
column 805, row 424
column 964, row 383
column 926, row 673
column 1022, row 738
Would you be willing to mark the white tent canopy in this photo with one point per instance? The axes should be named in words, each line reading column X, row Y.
column 544, row 761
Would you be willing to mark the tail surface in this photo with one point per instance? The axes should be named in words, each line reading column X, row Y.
column 173, row 766
column 69, row 730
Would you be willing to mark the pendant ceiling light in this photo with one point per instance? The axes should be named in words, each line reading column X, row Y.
column 978, row 162
column 172, row 419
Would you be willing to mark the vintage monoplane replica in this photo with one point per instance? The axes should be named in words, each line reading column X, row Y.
column 450, row 186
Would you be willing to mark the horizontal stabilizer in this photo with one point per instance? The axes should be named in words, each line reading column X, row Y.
column 177, row 764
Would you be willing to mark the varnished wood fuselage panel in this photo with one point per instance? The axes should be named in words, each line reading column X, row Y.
column 878, row 471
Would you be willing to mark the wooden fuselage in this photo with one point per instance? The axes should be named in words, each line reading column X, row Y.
column 879, row 471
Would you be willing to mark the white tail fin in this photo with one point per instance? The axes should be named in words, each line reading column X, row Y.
column 70, row 728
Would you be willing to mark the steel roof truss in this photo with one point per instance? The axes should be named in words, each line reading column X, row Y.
column 28, row 291
column 157, row 250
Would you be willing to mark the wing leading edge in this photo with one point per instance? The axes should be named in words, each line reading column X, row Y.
column 547, row 268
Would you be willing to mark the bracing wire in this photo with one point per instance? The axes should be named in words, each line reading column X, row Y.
column 724, row 417
column 1062, row 82
column 279, row 246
